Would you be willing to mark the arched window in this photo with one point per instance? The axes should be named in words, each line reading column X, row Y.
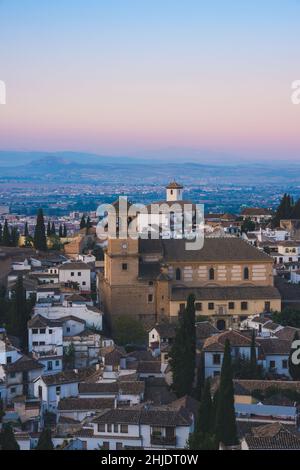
column 178, row 274
column 246, row 273
column 211, row 274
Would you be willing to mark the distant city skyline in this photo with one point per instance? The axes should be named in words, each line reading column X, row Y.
column 190, row 81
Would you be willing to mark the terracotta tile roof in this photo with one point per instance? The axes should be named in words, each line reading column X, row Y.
column 250, row 385
column 274, row 436
column 149, row 367
column 76, row 265
column 160, row 416
column 69, row 376
column 174, row 185
column 38, row 321
column 165, row 330
column 225, row 293
column 217, row 342
column 287, row 333
column 68, row 404
column 274, row 345
column 23, row 364
column 205, row 329
column 256, row 211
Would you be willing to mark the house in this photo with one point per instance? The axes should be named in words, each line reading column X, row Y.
column 81, row 408
column 273, row 436
column 275, row 353
column 257, row 214
column 20, row 376
column 76, row 272
column 147, row 428
column 161, row 335
column 52, row 388
column 213, row 350
column 53, row 311
column 288, row 252
column 126, row 393
column 86, row 344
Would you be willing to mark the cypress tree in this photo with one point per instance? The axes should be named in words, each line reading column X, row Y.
column 284, row 210
column 1, row 231
column 40, row 241
column 82, row 222
column 203, row 436
column 48, row 229
column 226, row 431
column 183, row 352
column 8, row 440
column 6, row 235
column 45, row 441
column 294, row 369
column 296, row 211
column 65, row 233
column 26, row 231
column 53, row 230
column 60, row 232
column 14, row 236
column 20, row 312
column 2, row 413
column 253, row 358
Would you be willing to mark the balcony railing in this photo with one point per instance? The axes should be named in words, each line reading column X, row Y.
column 163, row 440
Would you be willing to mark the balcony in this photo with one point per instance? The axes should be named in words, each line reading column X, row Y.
column 157, row 440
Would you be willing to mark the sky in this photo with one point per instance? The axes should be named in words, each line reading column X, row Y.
column 174, row 79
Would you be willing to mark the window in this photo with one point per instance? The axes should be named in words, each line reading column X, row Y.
column 42, row 343
column 72, row 274
column 211, row 306
column 83, row 283
column 12, row 375
column 284, row 364
column 150, row 298
column 35, row 343
column 35, row 331
column 150, row 283
column 8, row 360
column 79, row 274
column 109, row 428
column 267, row 306
column 181, row 308
column 244, row 305
column 50, row 332
column 116, row 428
column 231, row 305
column 124, row 266
column 13, row 390
column 198, row 306
column 124, row 428
column 216, row 373
column 216, row 359
column 57, row 363
column 57, row 389
column 178, row 274
column 246, row 273
column 101, row 427
column 49, row 365
column 211, row 274
column 105, row 446
column 68, row 329
column 119, row 446
column 272, row 364
column 42, row 331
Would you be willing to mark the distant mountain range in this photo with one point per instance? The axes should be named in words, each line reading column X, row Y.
column 72, row 167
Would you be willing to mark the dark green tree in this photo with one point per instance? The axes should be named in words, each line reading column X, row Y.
column 183, row 351
column 65, row 232
column 6, row 235
column 60, row 231
column 20, row 312
column 284, row 210
column 40, row 241
column 226, row 431
column 53, row 230
column 1, row 232
column 26, row 231
column 203, row 437
column 14, row 236
column 45, row 440
column 82, row 222
column 2, row 413
column 253, row 358
column 48, row 229
column 8, row 440
column 248, row 225
column 287, row 317
column 295, row 213
column 294, row 369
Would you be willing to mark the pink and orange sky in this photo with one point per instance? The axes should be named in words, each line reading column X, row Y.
column 127, row 77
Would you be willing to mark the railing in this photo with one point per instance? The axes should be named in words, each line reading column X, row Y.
column 163, row 440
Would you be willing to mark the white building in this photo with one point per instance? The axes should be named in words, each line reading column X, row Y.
column 76, row 272
column 91, row 315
